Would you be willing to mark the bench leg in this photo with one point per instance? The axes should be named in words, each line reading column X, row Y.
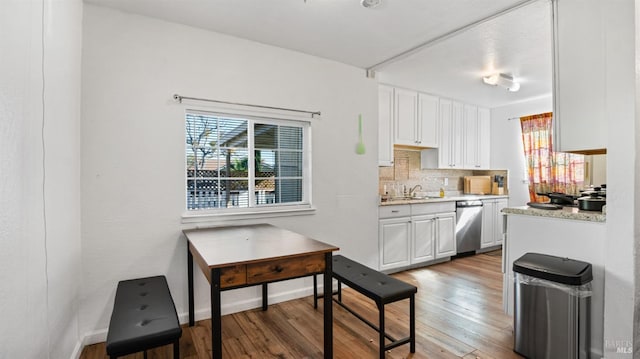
column 176, row 349
column 381, row 332
column 412, row 323
column 315, row 291
column 339, row 291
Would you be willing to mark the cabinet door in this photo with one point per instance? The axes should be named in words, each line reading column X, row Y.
column 427, row 120
column 406, row 114
column 457, row 137
column 488, row 224
column 579, row 68
column 484, row 139
column 445, row 235
column 470, row 137
column 385, row 126
column 445, row 118
column 500, row 217
column 423, row 238
column 394, row 237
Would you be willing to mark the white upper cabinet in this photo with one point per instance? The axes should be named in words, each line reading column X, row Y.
column 470, row 132
column 416, row 119
column 427, row 120
column 450, row 150
column 477, row 132
column 579, row 64
column 385, row 126
column 406, row 117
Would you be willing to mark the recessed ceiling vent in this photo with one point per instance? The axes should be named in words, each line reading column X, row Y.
column 370, row 4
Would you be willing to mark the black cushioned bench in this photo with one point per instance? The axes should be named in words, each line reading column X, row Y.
column 143, row 317
column 379, row 287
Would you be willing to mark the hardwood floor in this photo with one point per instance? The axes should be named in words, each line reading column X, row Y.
column 458, row 315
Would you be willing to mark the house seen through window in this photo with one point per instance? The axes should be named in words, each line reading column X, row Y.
column 243, row 162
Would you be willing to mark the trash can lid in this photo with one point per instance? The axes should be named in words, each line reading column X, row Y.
column 556, row 269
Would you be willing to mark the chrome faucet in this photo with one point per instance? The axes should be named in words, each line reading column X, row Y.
column 412, row 191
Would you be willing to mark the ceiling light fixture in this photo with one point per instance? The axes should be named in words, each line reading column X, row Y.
column 503, row 80
column 370, row 4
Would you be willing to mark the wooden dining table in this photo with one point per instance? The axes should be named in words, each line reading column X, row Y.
column 240, row 256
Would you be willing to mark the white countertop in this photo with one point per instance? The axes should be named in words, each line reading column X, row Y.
column 459, row 197
column 564, row 213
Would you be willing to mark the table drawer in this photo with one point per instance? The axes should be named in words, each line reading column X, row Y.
column 284, row 268
column 233, row 276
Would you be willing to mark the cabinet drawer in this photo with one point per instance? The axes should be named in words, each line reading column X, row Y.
column 233, row 276
column 433, row 208
column 402, row 210
column 284, row 268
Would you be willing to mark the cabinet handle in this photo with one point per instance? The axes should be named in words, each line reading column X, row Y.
column 395, row 211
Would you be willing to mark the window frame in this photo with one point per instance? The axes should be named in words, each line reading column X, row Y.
column 253, row 210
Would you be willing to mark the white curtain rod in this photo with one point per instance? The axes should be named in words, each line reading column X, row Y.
column 179, row 98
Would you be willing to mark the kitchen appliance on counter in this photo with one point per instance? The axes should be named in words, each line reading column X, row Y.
column 592, row 202
column 468, row 226
column 599, row 190
column 592, row 199
column 477, row 185
column 558, row 198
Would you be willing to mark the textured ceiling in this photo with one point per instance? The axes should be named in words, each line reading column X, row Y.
column 342, row 30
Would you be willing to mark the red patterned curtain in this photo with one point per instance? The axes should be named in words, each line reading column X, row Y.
column 548, row 171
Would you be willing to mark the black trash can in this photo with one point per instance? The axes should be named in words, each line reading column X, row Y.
column 552, row 307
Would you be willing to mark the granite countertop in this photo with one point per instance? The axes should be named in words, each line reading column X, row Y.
column 433, row 199
column 564, row 213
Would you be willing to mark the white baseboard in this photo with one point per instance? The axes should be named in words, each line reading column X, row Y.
column 251, row 303
column 77, row 350
column 99, row 336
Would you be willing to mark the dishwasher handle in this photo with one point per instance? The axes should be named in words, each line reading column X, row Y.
column 464, row 204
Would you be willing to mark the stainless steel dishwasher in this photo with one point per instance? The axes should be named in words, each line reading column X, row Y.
column 468, row 226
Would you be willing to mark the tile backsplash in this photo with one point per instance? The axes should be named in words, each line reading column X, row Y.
column 406, row 172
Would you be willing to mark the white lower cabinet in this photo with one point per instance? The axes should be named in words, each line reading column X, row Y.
column 492, row 222
column 412, row 234
column 423, row 239
column 446, row 235
column 394, row 236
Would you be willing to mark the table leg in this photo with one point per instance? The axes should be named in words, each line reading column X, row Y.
column 265, row 296
column 190, row 285
column 328, row 305
column 216, row 316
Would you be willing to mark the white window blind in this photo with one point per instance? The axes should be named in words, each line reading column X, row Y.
column 235, row 161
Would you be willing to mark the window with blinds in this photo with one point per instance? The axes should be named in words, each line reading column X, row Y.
column 243, row 162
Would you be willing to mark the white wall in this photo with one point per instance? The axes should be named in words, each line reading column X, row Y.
column 133, row 150
column 622, row 169
column 506, row 144
column 40, row 156
column 622, row 172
